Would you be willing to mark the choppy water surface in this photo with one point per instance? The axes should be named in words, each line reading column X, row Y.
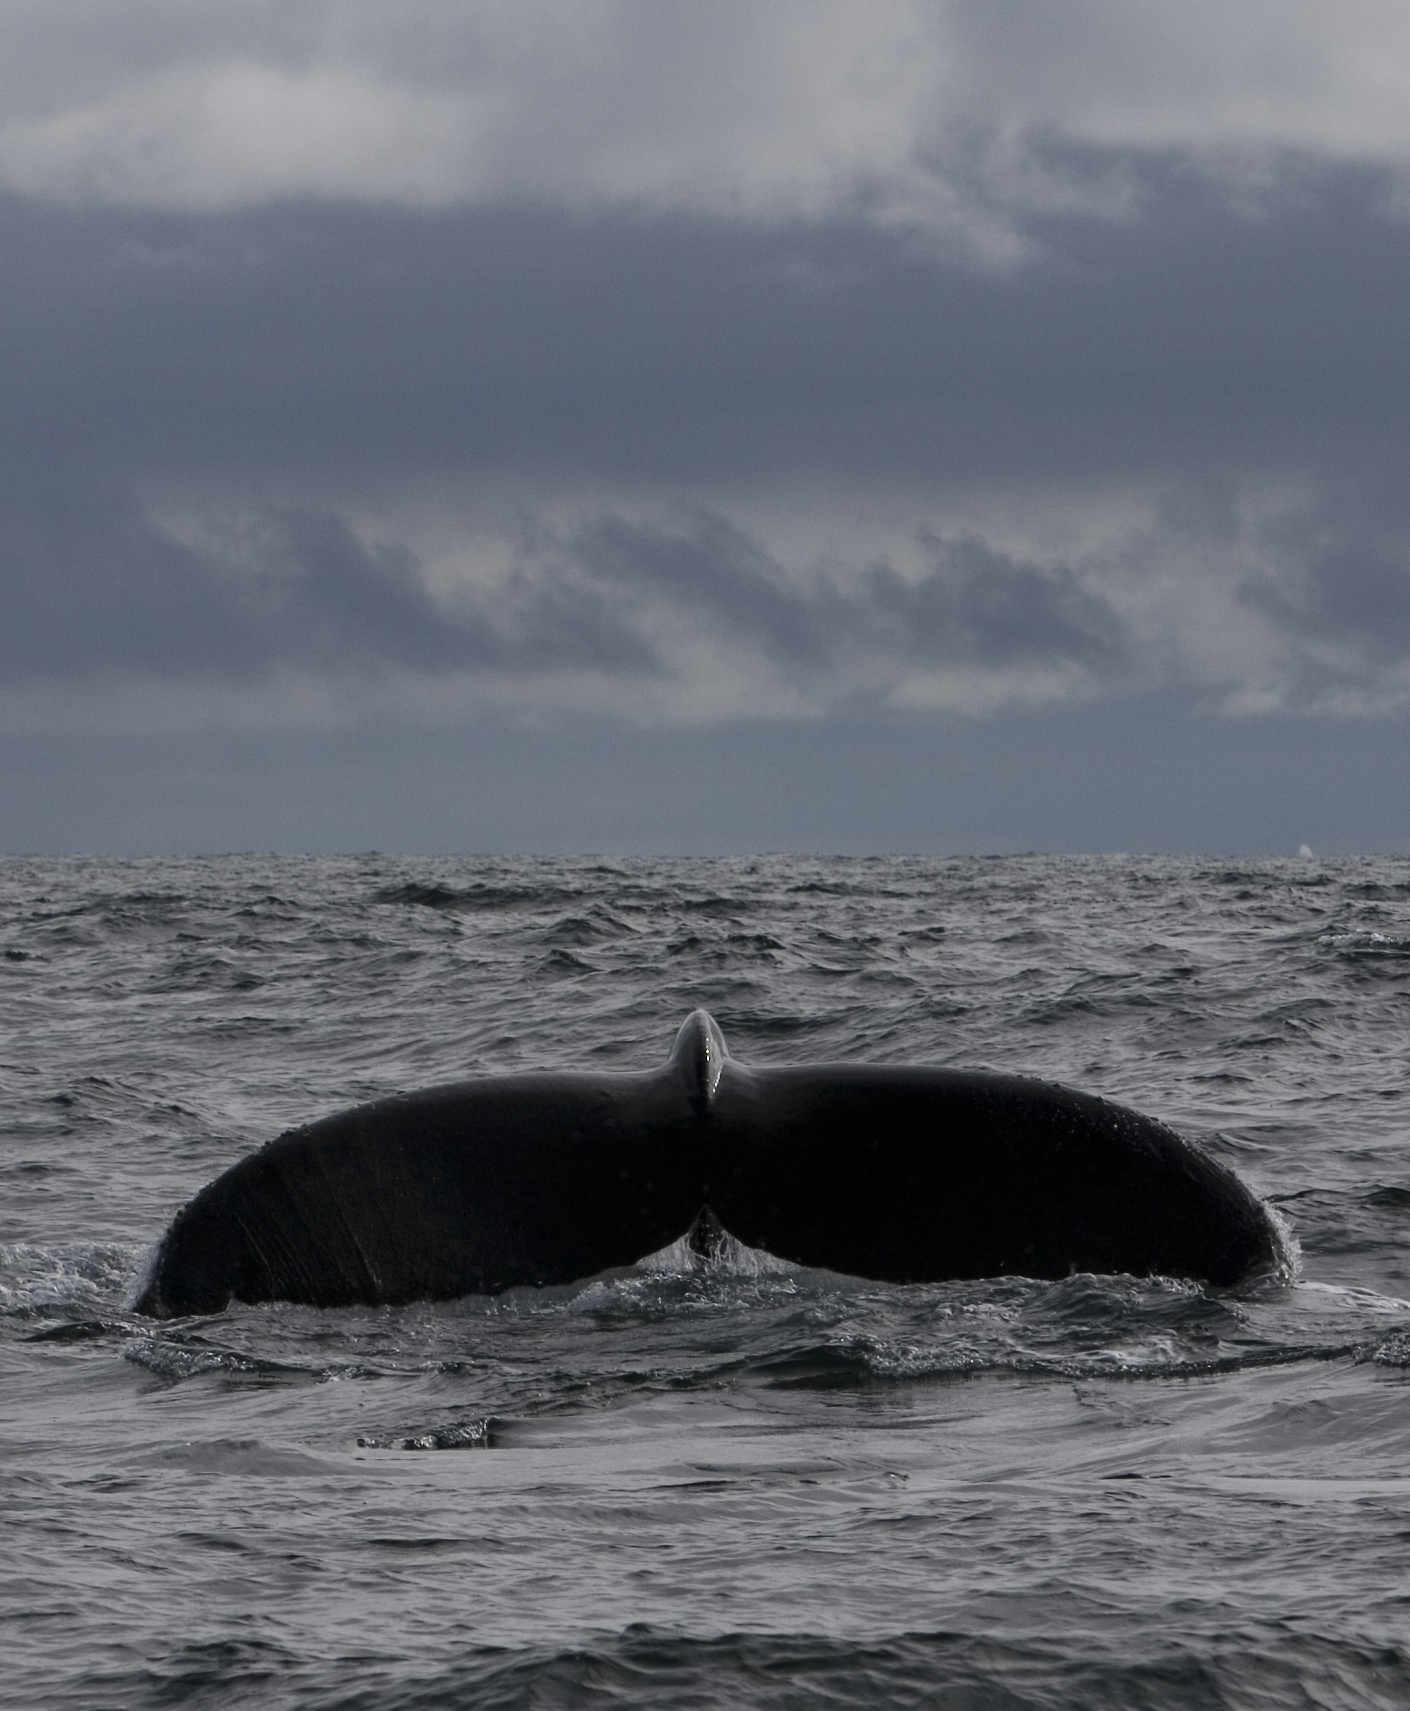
column 693, row 1485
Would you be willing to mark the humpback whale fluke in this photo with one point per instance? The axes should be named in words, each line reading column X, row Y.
column 902, row 1174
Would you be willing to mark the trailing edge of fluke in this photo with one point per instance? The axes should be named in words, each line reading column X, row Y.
column 902, row 1174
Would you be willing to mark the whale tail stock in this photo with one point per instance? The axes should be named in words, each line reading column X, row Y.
column 699, row 1057
column 902, row 1174
column 707, row 1237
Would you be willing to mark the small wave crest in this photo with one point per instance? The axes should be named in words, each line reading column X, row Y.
column 461, row 899
column 1368, row 944
column 77, row 1276
column 1393, row 1351
column 1286, row 1269
column 475, row 1434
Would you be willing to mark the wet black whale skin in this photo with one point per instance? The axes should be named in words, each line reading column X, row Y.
column 906, row 1175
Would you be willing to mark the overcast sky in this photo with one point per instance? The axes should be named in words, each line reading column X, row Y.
column 750, row 424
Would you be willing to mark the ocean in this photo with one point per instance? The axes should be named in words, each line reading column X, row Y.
column 703, row 1484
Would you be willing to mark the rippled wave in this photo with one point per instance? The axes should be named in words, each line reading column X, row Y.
column 703, row 1482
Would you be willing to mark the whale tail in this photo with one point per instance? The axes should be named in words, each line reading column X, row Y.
column 903, row 1174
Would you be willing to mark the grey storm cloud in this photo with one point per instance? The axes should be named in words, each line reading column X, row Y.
column 95, row 584
column 286, row 364
column 1338, row 592
column 294, row 365
column 90, row 582
column 812, row 366
column 350, row 342
column 982, row 606
column 970, row 606
column 1356, row 591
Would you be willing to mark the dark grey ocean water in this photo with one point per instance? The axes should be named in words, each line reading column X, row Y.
column 715, row 1487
